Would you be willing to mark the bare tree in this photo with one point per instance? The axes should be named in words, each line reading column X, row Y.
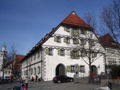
column 111, row 18
column 12, row 53
column 93, row 51
column 90, row 19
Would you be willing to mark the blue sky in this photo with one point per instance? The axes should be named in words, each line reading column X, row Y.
column 24, row 22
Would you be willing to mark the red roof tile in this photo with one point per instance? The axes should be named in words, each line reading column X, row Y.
column 75, row 20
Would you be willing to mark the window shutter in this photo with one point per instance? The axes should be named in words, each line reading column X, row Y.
column 84, row 54
column 71, row 54
column 68, row 68
column 59, row 52
column 84, row 42
column 65, row 40
column 65, row 29
column 55, row 38
column 47, row 51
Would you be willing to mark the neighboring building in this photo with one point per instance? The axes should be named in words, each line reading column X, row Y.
column 112, row 51
column 8, row 69
column 17, row 65
column 5, row 67
column 59, row 52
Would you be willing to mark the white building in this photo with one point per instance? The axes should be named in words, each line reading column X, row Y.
column 5, row 69
column 66, row 46
column 112, row 51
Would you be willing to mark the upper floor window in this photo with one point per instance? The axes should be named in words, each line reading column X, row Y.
column 67, row 29
column 49, row 51
column 75, row 41
column 38, row 54
column 75, row 54
column 67, row 40
column 83, row 31
column 83, row 53
column 83, row 42
column 57, row 39
column 91, row 43
column 61, row 52
column 35, row 56
column 75, row 33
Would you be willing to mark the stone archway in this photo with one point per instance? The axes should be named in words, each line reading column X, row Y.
column 60, row 70
column 94, row 70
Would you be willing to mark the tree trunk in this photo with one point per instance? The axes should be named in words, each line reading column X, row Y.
column 90, row 74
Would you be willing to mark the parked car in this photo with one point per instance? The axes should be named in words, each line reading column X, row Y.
column 62, row 78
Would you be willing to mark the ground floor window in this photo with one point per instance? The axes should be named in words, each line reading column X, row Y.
column 82, row 69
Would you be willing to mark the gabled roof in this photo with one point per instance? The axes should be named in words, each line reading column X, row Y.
column 108, row 41
column 74, row 20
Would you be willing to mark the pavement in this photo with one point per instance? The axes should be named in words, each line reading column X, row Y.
column 81, row 85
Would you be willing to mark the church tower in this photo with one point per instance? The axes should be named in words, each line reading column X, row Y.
column 2, row 56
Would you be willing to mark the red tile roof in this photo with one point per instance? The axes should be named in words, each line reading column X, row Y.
column 108, row 41
column 75, row 20
column 18, row 58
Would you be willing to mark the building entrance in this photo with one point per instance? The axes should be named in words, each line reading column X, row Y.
column 60, row 70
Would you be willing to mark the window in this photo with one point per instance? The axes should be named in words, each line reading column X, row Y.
column 94, row 54
column 83, row 53
column 38, row 54
column 67, row 29
column 57, row 39
column 72, row 68
column 49, row 51
column 75, row 41
column 34, row 71
column 83, row 41
column 67, row 40
column 112, row 61
column 75, row 33
column 61, row 52
column 83, row 31
column 75, row 54
column 91, row 42
column 82, row 69
column 38, row 69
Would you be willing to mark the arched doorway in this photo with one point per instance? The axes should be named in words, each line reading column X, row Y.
column 60, row 70
column 94, row 70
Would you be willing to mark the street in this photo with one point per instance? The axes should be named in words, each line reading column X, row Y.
column 60, row 86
